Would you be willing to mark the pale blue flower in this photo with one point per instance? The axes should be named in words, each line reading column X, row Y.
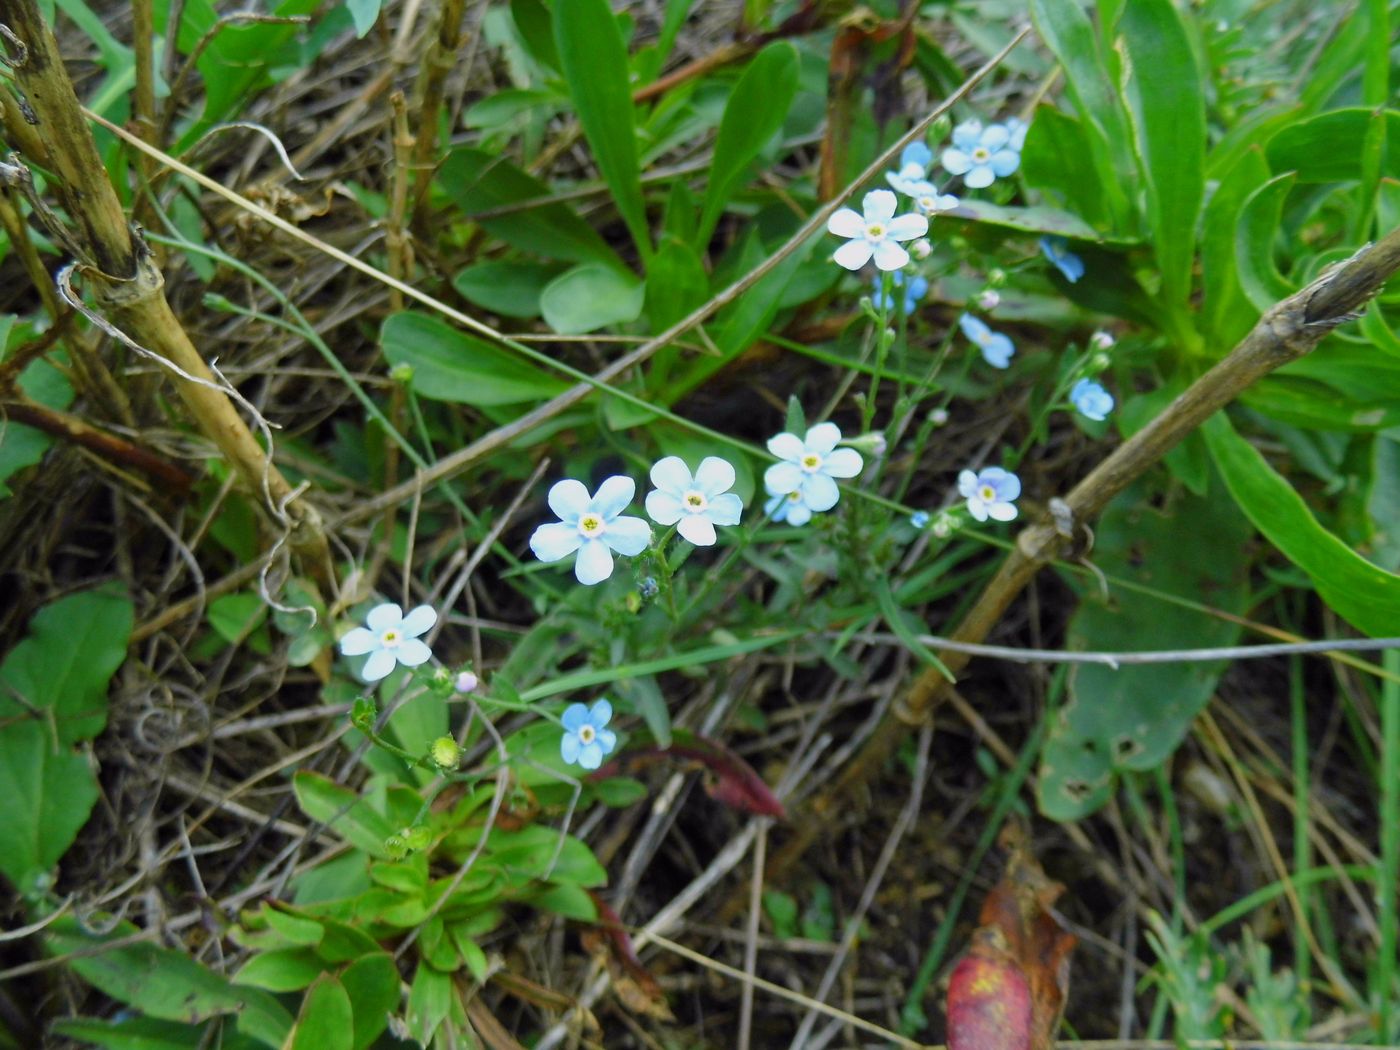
column 1016, row 128
column 914, row 290
column 980, row 155
column 912, row 177
column 1056, row 249
column 919, row 519
column 586, row 737
column 1092, row 400
column 390, row 639
column 594, row 526
column 996, row 348
column 788, row 507
column 695, row 505
column 809, row 468
column 990, row 493
column 874, row 234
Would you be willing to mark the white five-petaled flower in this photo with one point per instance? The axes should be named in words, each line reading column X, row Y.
column 876, row 233
column 586, row 739
column 980, row 155
column 809, row 468
column 390, row 638
column 594, row 526
column 694, row 504
column 990, row 493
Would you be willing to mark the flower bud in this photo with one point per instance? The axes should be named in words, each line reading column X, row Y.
column 919, row 519
column 1100, row 340
column 1099, row 363
column 420, row 836
column 940, row 128
column 988, row 298
column 465, row 682
column 942, row 527
column 996, row 277
column 872, row 444
column 401, row 373
column 363, row 713
column 445, row 753
column 921, row 249
column 938, row 417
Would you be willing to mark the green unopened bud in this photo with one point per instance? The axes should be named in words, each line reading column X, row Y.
column 396, row 847
column 445, row 753
column 363, row 713
column 401, row 373
column 418, row 837
column 996, row 277
column 872, row 444
column 940, row 128
column 1099, row 363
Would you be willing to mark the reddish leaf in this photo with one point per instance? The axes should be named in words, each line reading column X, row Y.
column 728, row 778
column 1008, row 992
column 632, row 982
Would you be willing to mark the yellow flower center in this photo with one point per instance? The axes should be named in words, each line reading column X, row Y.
column 590, row 525
column 694, row 501
column 391, row 638
column 875, row 230
column 987, row 494
column 811, row 461
column 587, row 735
column 981, row 154
column 795, row 496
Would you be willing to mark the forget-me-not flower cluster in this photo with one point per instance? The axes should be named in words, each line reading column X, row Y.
column 981, row 155
column 803, row 483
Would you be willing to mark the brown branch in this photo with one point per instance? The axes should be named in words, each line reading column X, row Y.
column 1285, row 333
column 109, row 446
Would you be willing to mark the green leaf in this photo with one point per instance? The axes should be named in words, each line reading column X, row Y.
column 754, row 114
column 567, row 900
column 149, row 1033
column 372, row 982
column 508, row 288
column 49, row 795
column 478, row 181
column 591, row 296
column 429, row 1000
column 1162, row 85
column 1133, row 717
column 281, row 970
column 164, row 983
column 344, row 811
column 532, row 19
column 1328, row 148
column 645, row 697
column 235, row 616
column 450, row 365
column 1057, row 160
column 1365, row 596
column 536, row 852
column 676, row 284
column 472, row 956
column 365, row 13
column 1255, row 236
column 593, row 59
column 1038, row 218
column 326, row 1021
column 1227, row 311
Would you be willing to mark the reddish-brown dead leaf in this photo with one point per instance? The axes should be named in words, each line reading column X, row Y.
column 728, row 778
column 631, row 981
column 1008, row 992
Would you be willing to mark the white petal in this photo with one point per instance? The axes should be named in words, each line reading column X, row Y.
column 670, row 474
column 568, row 499
column 846, row 223
column 663, row 508
column 600, row 714
column 980, row 176
column 607, row 740
column 853, row 254
column 822, row 438
column 378, row 666
column 698, row 530
column 569, row 747
column 879, row 205
column 726, row 509
column 382, row 617
column 418, row 620
column 591, row 756
column 798, row 514
column 714, row 476
column 843, row 463
column 594, row 564
column 613, row 496
column 782, row 478
column 890, row 256
column 786, row 446
column 554, row 541
column 628, row 535
column 358, row 642
column 413, row 652
column 967, row 134
column 977, row 508
column 1005, row 162
column 995, row 137
column 1002, row 511
column 955, row 161
column 907, row 227
column 575, row 717
column 967, row 483
column 819, row 492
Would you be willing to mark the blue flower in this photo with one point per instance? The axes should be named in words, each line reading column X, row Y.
column 1016, row 128
column 594, row 526
column 698, row 503
column 1056, row 249
column 996, row 348
column 980, row 155
column 391, row 638
column 586, row 739
column 912, row 177
column 875, row 233
column 919, row 519
column 809, row 468
column 933, row 202
column 914, row 290
column 990, row 493
column 788, row 507
column 1091, row 399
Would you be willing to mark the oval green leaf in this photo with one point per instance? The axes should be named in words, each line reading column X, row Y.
column 450, row 365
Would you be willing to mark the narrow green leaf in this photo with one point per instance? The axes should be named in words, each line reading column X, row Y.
column 429, row 1000
column 372, row 982
column 1057, row 160
column 1255, row 236
column 1037, row 218
column 450, row 365
column 1162, row 85
column 755, row 112
column 532, row 18
column 676, row 283
column 149, row 1033
column 1329, row 147
column 1227, row 311
column 593, row 58
column 591, row 296
column 326, row 1021
column 1365, row 596
column 478, row 181
column 281, row 970
column 344, row 811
